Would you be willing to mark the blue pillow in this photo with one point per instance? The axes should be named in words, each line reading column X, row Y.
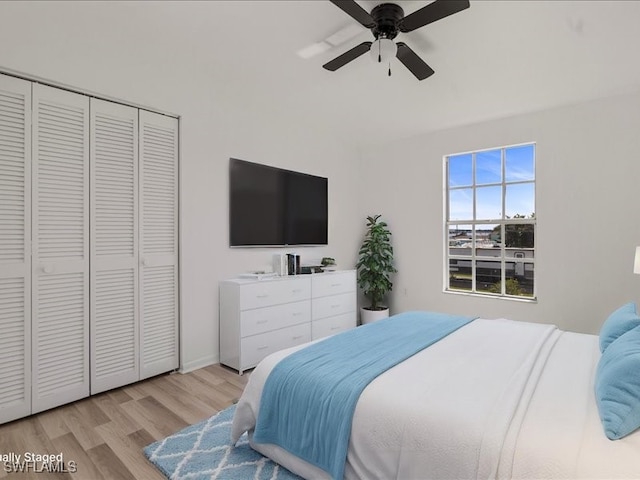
column 621, row 321
column 618, row 386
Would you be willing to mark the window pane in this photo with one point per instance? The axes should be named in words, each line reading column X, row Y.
column 488, row 241
column 488, row 167
column 460, row 239
column 488, row 203
column 461, row 204
column 460, row 274
column 519, row 201
column 460, row 172
column 488, row 276
column 519, row 240
column 519, row 163
column 519, row 278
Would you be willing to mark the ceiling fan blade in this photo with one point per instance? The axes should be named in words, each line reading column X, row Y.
column 413, row 62
column 434, row 11
column 350, row 7
column 347, row 56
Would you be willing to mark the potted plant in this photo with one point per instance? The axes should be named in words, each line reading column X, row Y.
column 375, row 265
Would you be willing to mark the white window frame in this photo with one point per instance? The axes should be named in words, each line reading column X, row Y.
column 501, row 221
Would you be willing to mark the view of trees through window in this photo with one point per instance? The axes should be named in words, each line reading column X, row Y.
column 491, row 221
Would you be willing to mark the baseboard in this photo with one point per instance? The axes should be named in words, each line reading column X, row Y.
column 199, row 363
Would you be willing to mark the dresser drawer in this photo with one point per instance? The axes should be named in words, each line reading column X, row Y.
column 272, row 318
column 328, row 283
column 255, row 348
column 274, row 292
column 332, row 325
column 334, row 305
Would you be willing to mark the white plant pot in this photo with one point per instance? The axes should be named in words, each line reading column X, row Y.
column 368, row 316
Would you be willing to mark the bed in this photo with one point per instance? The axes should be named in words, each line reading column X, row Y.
column 495, row 398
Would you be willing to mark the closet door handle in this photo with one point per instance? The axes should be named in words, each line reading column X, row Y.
column 48, row 269
column 145, row 262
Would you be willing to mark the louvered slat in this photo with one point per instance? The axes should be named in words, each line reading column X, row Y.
column 13, row 174
column 159, row 308
column 159, row 242
column 114, row 246
column 115, row 323
column 114, row 180
column 160, row 182
column 60, row 300
column 15, row 248
column 12, row 357
column 61, row 326
column 61, row 178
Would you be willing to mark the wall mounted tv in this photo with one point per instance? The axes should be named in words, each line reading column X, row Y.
column 270, row 206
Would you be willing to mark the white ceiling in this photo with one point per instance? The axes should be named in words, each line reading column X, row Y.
column 495, row 59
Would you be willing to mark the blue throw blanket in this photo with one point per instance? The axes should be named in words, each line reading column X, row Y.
column 310, row 396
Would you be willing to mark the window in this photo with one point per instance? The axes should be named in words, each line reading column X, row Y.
column 491, row 222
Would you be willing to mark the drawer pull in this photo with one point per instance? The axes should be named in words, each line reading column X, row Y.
column 297, row 337
column 335, row 306
column 336, row 284
column 297, row 314
column 263, row 347
column 262, row 322
column 262, row 296
column 296, row 290
column 335, row 328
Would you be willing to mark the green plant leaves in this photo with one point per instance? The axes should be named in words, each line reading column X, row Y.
column 375, row 261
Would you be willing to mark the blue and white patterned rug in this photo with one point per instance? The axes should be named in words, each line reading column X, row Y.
column 204, row 451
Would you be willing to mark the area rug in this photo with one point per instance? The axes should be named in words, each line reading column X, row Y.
column 204, row 451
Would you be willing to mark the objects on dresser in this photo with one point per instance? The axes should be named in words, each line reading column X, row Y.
column 258, row 275
column 286, row 264
column 291, row 264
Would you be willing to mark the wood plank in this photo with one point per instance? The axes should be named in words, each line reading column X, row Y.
column 129, row 453
column 170, row 395
column 82, row 426
column 53, row 423
column 116, row 413
column 73, row 451
column 154, row 417
column 120, row 396
column 109, row 464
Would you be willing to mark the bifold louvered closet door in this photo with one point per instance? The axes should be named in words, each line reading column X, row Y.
column 88, row 246
column 158, row 243
column 60, row 247
column 15, row 248
column 114, row 245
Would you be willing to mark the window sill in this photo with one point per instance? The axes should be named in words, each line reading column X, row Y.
column 494, row 297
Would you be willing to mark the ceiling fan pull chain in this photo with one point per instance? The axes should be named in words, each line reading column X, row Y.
column 389, row 68
column 379, row 53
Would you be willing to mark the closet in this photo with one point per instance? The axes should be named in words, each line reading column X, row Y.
column 88, row 246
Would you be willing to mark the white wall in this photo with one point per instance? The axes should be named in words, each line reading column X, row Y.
column 588, row 171
column 100, row 47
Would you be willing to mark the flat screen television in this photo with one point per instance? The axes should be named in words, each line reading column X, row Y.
column 271, row 206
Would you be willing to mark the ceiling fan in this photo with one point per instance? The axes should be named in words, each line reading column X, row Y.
column 385, row 22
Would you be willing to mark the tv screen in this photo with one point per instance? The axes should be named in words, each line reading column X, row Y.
column 270, row 206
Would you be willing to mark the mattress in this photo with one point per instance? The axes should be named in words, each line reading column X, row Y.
column 495, row 399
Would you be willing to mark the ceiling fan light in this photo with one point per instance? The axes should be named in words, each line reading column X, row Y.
column 383, row 50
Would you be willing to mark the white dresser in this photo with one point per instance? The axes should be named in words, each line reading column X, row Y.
column 259, row 317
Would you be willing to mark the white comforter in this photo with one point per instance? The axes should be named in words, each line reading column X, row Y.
column 495, row 399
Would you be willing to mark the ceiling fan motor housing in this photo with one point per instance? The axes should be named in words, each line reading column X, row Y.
column 387, row 17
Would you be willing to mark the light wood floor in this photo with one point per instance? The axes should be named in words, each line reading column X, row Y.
column 105, row 434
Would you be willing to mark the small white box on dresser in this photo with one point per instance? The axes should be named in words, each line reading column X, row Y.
column 259, row 317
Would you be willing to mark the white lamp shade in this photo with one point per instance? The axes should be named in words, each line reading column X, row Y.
column 636, row 262
column 384, row 50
